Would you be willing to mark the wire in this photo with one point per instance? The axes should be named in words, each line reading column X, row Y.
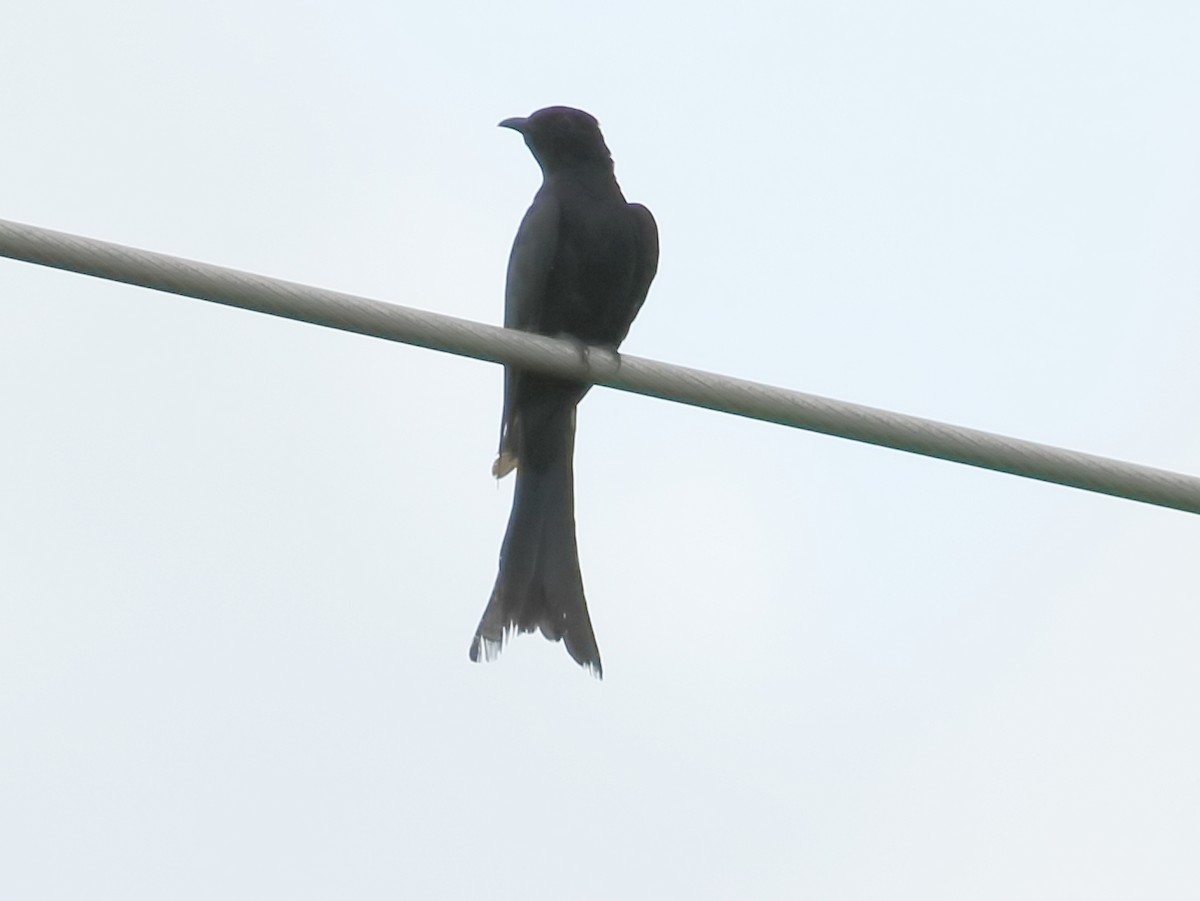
column 348, row 312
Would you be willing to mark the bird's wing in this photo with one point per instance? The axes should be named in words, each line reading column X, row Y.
column 647, row 258
column 529, row 267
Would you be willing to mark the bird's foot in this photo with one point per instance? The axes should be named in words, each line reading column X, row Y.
column 597, row 359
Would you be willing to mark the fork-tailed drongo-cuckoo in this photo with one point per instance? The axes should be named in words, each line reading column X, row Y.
column 581, row 265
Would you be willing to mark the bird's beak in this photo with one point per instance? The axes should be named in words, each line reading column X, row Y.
column 517, row 123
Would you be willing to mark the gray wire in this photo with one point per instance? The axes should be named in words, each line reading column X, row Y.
column 558, row 357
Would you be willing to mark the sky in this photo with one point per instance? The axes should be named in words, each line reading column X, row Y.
column 242, row 558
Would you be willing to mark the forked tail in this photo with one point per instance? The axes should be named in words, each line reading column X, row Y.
column 539, row 585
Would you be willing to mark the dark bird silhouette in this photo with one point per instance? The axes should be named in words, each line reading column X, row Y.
column 581, row 265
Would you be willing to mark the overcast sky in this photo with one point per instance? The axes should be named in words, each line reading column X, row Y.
column 242, row 558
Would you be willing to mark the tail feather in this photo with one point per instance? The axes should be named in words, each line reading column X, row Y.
column 539, row 585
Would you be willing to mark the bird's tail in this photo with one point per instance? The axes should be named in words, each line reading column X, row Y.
column 539, row 585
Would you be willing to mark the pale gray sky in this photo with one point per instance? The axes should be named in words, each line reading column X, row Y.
column 241, row 559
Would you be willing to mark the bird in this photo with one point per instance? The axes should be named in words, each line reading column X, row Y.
column 580, row 268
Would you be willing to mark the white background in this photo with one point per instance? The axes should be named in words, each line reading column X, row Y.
column 241, row 558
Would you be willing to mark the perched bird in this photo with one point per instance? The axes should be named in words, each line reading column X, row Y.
column 581, row 265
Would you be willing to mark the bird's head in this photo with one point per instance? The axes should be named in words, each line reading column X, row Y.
column 562, row 138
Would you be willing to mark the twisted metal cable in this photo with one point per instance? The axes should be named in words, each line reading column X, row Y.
column 348, row 312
